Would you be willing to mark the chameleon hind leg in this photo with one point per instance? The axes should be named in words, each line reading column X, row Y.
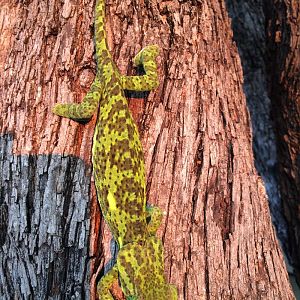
column 106, row 283
column 141, row 270
column 154, row 217
column 146, row 58
column 85, row 109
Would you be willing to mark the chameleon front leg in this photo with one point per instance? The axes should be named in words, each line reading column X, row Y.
column 146, row 58
column 106, row 283
column 85, row 109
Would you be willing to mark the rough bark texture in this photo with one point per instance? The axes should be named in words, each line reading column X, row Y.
column 44, row 226
column 218, row 237
column 284, row 70
column 44, row 198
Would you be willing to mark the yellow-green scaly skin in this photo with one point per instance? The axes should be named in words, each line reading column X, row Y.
column 119, row 171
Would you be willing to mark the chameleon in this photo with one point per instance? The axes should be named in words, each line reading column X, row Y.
column 119, row 171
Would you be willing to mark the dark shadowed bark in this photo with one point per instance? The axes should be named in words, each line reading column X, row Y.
column 217, row 233
column 253, row 26
column 284, row 75
column 249, row 27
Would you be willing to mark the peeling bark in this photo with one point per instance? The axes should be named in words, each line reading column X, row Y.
column 218, row 237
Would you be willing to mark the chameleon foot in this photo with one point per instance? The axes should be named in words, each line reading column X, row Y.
column 146, row 54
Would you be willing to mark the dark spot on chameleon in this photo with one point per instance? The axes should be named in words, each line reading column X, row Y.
column 124, row 144
column 124, row 261
column 140, row 261
column 105, row 61
column 131, row 130
column 131, row 209
column 122, row 258
column 127, row 164
column 104, row 53
column 138, row 280
column 111, row 127
column 116, row 107
column 100, row 35
column 112, row 152
column 113, row 80
column 121, row 120
column 130, row 185
column 135, row 167
column 130, row 271
column 132, row 152
column 116, row 90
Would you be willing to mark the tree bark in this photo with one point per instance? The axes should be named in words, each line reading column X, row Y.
column 44, row 161
column 284, row 71
column 249, row 28
column 218, row 238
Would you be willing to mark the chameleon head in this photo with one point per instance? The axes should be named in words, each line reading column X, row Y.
column 141, row 270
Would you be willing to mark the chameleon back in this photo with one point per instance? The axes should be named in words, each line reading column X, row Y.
column 118, row 163
column 118, row 159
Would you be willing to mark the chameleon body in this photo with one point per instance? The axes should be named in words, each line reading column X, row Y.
column 118, row 164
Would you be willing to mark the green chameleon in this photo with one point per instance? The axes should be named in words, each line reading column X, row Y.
column 119, row 171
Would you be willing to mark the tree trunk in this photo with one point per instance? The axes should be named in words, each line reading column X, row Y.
column 218, row 238
column 284, row 70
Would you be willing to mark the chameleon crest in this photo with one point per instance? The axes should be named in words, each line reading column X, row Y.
column 118, row 165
